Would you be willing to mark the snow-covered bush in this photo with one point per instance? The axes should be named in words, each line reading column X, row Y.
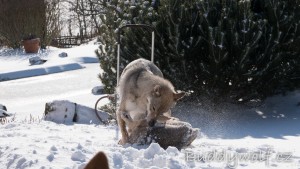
column 229, row 50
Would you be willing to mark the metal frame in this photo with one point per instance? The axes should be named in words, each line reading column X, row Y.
column 149, row 27
column 114, row 96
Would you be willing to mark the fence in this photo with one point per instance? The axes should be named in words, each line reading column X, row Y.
column 69, row 41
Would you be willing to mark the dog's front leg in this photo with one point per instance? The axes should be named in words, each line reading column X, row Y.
column 122, row 126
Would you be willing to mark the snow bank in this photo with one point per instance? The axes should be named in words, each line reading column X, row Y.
column 14, row 63
column 50, row 145
column 39, row 71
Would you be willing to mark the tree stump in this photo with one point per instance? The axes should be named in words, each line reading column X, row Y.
column 172, row 132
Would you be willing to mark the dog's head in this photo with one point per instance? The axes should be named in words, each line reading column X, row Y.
column 162, row 98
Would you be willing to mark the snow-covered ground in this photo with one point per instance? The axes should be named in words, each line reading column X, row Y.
column 231, row 136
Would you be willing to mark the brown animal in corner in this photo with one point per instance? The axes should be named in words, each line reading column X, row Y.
column 99, row 161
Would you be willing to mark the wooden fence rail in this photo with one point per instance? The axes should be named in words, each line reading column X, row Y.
column 70, row 41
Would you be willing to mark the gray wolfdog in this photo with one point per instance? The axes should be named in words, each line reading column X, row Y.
column 144, row 95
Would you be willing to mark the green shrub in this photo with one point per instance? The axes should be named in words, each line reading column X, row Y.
column 228, row 50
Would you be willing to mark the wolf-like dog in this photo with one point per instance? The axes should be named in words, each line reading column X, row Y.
column 144, row 94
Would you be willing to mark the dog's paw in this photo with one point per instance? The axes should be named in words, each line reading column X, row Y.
column 122, row 141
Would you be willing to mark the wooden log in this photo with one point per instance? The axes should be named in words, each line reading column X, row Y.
column 64, row 111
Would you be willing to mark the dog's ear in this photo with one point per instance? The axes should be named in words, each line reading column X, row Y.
column 98, row 161
column 156, row 91
column 178, row 95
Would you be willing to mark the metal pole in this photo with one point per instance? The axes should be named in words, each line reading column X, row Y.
column 118, row 78
column 152, row 48
column 118, row 65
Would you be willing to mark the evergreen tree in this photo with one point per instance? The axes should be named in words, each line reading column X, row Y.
column 119, row 13
column 226, row 49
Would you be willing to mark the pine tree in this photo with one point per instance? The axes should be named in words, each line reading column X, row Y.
column 225, row 49
column 118, row 14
